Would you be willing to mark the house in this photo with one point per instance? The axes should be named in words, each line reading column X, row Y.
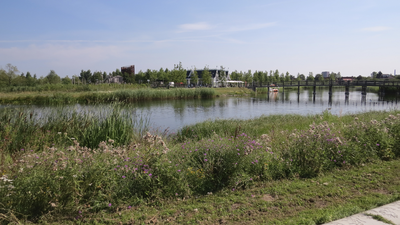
column 218, row 77
column 347, row 79
column 116, row 79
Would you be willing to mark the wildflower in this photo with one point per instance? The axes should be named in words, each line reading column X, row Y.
column 377, row 144
column 176, row 194
column 205, row 160
column 129, row 207
column 238, row 153
column 123, row 176
column 179, row 170
column 150, row 175
column 109, row 205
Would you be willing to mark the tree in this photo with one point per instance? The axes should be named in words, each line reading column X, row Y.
column 319, row 77
column 11, row 72
column 287, row 77
column 301, row 76
column 53, row 78
column 359, row 78
column 379, row 75
column 66, row 80
column 96, row 77
column 85, row 76
column 3, row 78
column 195, row 78
column 310, row 77
column 206, row 76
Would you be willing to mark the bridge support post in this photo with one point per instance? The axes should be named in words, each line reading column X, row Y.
column 298, row 91
column 314, row 91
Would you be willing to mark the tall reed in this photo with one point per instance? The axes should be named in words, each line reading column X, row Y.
column 25, row 129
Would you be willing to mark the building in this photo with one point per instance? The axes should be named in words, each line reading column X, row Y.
column 218, row 77
column 347, row 78
column 325, row 74
column 128, row 69
column 116, row 79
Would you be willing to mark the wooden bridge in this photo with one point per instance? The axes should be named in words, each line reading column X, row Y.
column 332, row 83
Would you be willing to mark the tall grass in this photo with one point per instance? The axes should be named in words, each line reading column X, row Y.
column 71, row 87
column 24, row 129
column 115, row 96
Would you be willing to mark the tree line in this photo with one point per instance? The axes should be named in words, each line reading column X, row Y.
column 11, row 76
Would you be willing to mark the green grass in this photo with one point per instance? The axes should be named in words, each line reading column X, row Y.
column 276, row 169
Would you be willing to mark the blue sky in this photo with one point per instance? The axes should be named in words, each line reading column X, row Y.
column 354, row 37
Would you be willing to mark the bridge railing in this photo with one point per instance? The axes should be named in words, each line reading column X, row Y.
column 328, row 83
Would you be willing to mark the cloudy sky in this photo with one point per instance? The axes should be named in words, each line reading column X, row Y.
column 354, row 37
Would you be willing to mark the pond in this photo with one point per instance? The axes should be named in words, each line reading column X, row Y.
column 174, row 114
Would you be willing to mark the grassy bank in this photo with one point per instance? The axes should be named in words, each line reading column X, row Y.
column 277, row 169
column 106, row 96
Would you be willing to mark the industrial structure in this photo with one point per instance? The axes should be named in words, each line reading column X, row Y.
column 128, row 69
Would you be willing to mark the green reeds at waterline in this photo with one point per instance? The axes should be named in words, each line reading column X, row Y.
column 24, row 129
column 115, row 96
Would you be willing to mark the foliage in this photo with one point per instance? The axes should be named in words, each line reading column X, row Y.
column 76, row 177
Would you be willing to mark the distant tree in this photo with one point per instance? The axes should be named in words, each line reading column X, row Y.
column 28, row 75
column 53, row 78
column 319, row 77
column 11, row 72
column 96, row 77
column 140, row 77
column 206, row 76
column 195, row 78
column 66, row 80
column 85, row 76
column 19, row 81
column 359, row 78
column 235, row 75
column 301, row 76
column 248, row 78
column 276, row 75
column 310, row 77
column 3, row 78
column 379, row 75
column 161, row 74
column 287, row 77
column 104, row 75
column 374, row 75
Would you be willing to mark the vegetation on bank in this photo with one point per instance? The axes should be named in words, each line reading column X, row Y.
column 59, row 177
column 124, row 95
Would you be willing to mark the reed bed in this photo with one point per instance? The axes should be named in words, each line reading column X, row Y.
column 111, row 96
column 71, row 87
column 25, row 129
column 72, row 182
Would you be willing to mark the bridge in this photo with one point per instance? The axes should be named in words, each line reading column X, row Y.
column 334, row 83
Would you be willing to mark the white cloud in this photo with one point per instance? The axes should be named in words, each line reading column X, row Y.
column 376, row 29
column 195, row 26
column 250, row 27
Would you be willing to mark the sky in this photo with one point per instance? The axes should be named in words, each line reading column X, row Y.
column 353, row 37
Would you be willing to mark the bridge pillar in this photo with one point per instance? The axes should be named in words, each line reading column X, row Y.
column 364, row 90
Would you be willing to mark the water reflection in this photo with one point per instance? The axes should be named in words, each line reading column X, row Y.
column 174, row 114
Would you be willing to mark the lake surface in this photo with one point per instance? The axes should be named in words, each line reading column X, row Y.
column 174, row 114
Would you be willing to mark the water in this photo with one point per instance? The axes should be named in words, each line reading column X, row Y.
column 174, row 114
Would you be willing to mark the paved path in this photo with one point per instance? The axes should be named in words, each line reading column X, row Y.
column 390, row 212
